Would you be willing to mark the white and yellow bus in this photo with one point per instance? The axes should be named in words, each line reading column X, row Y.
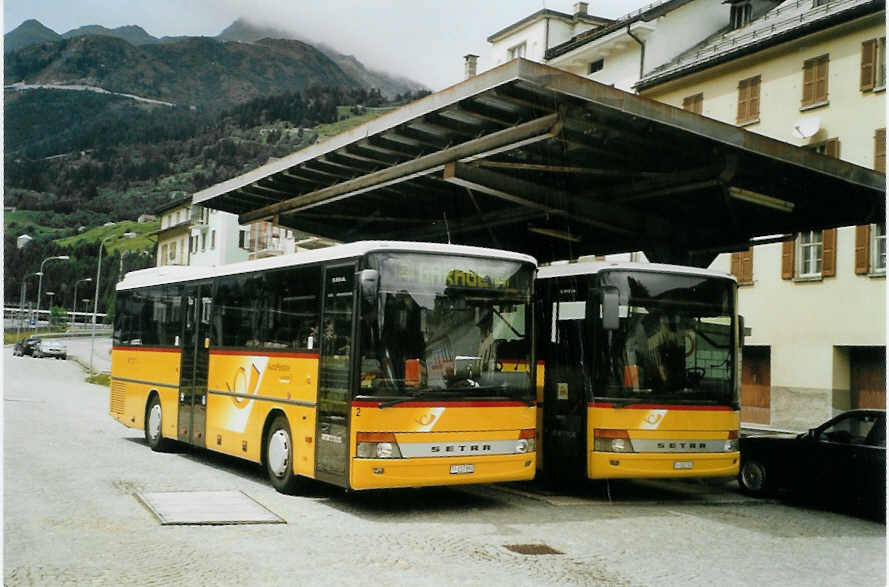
column 638, row 371
column 366, row 365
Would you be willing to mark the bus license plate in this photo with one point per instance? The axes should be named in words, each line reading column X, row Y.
column 462, row 469
column 682, row 464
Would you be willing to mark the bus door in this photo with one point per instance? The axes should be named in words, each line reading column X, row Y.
column 335, row 375
column 564, row 391
column 194, row 365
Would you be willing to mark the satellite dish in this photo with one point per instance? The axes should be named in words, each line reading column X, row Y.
column 806, row 127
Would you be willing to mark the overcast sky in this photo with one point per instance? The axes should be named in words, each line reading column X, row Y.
column 424, row 40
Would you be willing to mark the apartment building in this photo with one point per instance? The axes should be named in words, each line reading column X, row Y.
column 807, row 72
column 811, row 73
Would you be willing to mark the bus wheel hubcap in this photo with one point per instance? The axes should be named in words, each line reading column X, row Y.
column 279, row 451
column 154, row 421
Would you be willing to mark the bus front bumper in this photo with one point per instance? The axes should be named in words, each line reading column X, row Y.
column 422, row 472
column 608, row 465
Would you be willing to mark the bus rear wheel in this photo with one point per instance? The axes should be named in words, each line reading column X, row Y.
column 154, row 427
column 279, row 458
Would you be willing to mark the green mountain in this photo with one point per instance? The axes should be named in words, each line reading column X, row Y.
column 199, row 71
column 132, row 34
column 30, row 32
column 389, row 85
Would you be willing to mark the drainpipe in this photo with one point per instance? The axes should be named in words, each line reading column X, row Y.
column 642, row 50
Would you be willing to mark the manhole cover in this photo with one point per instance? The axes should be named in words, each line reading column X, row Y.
column 532, row 549
column 207, row 507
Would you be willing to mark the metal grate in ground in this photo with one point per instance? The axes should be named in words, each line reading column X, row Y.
column 207, row 507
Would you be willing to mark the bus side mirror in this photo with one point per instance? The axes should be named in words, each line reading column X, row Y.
column 610, row 310
column 369, row 282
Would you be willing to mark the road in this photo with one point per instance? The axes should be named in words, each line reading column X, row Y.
column 71, row 517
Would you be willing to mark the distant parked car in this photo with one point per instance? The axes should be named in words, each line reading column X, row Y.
column 25, row 346
column 842, row 462
column 51, row 348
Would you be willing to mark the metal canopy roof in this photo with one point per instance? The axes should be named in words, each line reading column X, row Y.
column 530, row 158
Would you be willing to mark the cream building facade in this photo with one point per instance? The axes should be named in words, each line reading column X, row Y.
column 811, row 74
column 806, row 72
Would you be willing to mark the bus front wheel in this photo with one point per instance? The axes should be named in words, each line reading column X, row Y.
column 154, row 427
column 279, row 457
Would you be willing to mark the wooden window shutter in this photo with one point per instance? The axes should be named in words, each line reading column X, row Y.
column 736, row 265
column 694, row 103
column 880, row 150
column 821, row 79
column 747, row 266
column 742, row 100
column 868, row 65
column 753, row 98
column 832, row 148
column 787, row 259
column 862, row 249
column 829, row 252
column 809, row 82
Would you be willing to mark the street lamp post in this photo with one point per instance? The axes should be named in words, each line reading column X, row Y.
column 22, row 303
column 74, row 316
column 96, row 298
column 40, row 285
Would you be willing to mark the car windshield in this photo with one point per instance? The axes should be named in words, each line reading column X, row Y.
column 447, row 327
column 674, row 342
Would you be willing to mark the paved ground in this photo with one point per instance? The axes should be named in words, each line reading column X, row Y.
column 70, row 517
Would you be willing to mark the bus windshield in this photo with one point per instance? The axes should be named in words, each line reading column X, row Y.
column 447, row 327
column 674, row 342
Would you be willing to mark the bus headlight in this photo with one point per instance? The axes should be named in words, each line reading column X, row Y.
column 527, row 441
column 376, row 445
column 731, row 445
column 612, row 441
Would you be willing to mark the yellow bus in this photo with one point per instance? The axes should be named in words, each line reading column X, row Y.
column 366, row 365
column 639, row 373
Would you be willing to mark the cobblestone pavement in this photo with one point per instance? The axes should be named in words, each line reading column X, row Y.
column 71, row 517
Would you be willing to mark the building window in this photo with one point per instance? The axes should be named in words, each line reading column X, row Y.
column 811, row 255
column 816, row 3
column 742, row 266
column 212, row 239
column 741, row 14
column 815, row 81
column 878, row 248
column 808, row 260
column 873, row 65
column 748, row 99
column 597, row 65
column 517, row 51
column 870, row 249
column 203, row 241
column 694, row 103
column 164, row 257
column 880, row 150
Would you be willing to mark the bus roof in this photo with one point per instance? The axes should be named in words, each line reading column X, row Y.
column 180, row 273
column 593, row 267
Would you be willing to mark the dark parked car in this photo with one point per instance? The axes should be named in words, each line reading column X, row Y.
column 25, row 346
column 842, row 461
